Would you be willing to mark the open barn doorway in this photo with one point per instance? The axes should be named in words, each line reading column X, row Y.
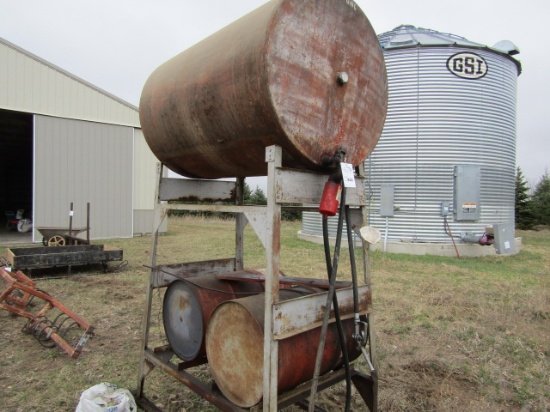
column 16, row 174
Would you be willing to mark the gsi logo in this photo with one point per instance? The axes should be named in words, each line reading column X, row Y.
column 467, row 65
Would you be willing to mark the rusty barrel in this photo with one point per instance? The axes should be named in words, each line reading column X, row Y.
column 306, row 75
column 235, row 349
column 188, row 305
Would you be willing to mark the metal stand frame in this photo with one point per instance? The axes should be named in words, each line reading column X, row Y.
column 282, row 319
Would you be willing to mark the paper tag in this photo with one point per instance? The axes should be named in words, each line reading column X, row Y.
column 506, row 245
column 71, row 213
column 347, row 174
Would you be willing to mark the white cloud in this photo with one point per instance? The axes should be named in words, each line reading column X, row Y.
column 117, row 44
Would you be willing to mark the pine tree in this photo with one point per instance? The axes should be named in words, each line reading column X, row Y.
column 525, row 217
column 257, row 197
column 541, row 200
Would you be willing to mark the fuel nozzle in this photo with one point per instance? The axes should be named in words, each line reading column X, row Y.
column 330, row 201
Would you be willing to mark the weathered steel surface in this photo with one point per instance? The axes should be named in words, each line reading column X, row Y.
column 188, row 305
column 42, row 257
column 285, row 281
column 156, row 359
column 293, row 186
column 306, row 75
column 48, row 232
column 196, row 190
column 294, row 316
column 163, row 275
column 234, row 346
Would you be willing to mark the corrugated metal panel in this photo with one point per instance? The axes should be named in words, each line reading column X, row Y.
column 145, row 172
column 407, row 35
column 145, row 164
column 32, row 85
column 435, row 121
column 143, row 221
column 312, row 224
column 80, row 162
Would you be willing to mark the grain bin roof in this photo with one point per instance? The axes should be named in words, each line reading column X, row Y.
column 408, row 35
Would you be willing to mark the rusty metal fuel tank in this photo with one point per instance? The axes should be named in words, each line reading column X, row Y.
column 306, row 75
column 235, row 345
column 188, row 305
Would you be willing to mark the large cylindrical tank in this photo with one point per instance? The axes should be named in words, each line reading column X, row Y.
column 188, row 305
column 451, row 105
column 235, row 349
column 306, row 75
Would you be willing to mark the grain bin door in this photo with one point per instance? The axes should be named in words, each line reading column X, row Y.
column 80, row 162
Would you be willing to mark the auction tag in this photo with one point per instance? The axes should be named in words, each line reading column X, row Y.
column 347, row 174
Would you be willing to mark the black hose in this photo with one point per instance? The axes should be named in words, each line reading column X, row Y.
column 332, row 269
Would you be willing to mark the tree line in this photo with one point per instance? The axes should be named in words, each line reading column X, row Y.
column 251, row 197
column 532, row 205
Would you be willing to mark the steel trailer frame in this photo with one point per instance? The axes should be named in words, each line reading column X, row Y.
column 284, row 187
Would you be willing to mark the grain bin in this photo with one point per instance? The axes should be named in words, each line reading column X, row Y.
column 448, row 147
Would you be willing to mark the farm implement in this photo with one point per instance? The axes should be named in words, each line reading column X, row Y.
column 62, row 328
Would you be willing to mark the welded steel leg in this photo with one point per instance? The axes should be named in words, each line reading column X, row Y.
column 273, row 245
column 240, row 225
column 370, row 400
column 144, row 366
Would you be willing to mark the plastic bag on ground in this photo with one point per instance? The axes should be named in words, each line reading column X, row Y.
column 106, row 397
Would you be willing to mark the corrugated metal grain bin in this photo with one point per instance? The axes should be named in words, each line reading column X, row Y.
column 448, row 144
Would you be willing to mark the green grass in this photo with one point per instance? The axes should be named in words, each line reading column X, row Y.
column 451, row 334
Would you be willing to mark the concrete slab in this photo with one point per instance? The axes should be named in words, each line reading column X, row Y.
column 416, row 248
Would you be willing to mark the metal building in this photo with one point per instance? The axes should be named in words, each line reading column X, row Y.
column 444, row 168
column 65, row 140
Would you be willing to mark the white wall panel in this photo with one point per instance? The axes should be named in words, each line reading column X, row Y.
column 81, row 162
column 145, row 164
column 32, row 85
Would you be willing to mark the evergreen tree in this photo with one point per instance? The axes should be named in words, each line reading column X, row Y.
column 247, row 192
column 257, row 197
column 541, row 200
column 525, row 217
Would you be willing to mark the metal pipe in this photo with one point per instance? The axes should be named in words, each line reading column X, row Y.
column 448, row 231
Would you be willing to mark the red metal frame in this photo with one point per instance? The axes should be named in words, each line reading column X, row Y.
column 17, row 296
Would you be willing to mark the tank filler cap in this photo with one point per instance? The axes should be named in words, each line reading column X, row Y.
column 343, row 78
